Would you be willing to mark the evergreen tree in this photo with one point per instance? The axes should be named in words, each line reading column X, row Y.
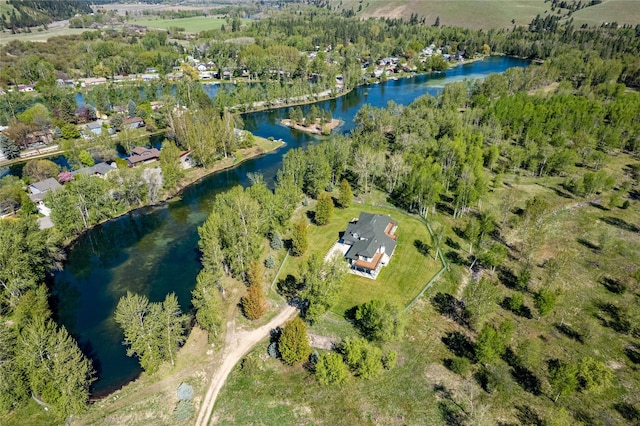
column 254, row 304
column 324, row 209
column 293, row 344
column 276, row 241
column 256, row 273
column 563, row 378
column 131, row 108
column 299, row 238
column 345, row 197
column 8, row 148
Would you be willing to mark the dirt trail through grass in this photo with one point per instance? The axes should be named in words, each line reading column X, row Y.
column 237, row 346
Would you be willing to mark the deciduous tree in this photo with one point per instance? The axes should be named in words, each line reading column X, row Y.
column 379, row 320
column 299, row 238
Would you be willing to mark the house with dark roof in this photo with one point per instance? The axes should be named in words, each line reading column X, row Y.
column 39, row 190
column 144, row 155
column 100, row 170
column 372, row 241
column 132, row 123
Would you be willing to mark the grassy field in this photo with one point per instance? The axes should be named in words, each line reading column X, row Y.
column 598, row 247
column 488, row 14
column 190, row 25
column 620, row 11
column 39, row 35
column 398, row 282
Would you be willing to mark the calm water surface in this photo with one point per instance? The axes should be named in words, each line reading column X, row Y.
column 153, row 251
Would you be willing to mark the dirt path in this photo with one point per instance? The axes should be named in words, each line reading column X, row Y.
column 238, row 344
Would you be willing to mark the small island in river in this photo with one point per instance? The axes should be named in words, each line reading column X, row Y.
column 317, row 128
column 316, row 121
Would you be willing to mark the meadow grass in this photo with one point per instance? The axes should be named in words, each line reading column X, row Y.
column 620, row 11
column 191, row 25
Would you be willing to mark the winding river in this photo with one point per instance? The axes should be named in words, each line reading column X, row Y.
column 154, row 250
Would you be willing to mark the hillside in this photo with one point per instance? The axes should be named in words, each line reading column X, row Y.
column 18, row 14
column 488, row 14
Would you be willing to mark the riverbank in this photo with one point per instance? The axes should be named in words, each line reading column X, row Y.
column 316, row 129
column 196, row 174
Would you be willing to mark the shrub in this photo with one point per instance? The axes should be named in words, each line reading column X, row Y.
column 515, row 302
column 276, row 241
column 184, row 411
column 390, row 360
column 458, row 365
column 270, row 262
column 330, row 368
column 545, row 301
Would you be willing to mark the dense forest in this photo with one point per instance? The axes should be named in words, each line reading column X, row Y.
column 512, row 172
column 31, row 13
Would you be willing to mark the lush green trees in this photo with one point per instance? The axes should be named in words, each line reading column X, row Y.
column 324, row 209
column 299, row 238
column 172, row 170
column 207, row 303
column 362, row 357
column 230, row 237
column 153, row 331
column 379, row 320
column 594, row 375
column 321, row 283
column 563, row 378
column 293, row 343
column 26, row 255
column 38, row 170
column 545, row 301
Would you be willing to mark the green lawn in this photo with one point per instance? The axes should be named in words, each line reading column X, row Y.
column 399, row 282
column 190, row 25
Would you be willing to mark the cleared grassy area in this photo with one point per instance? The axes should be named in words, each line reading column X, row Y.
column 620, row 11
column 40, row 35
column 399, row 282
column 191, row 25
column 464, row 13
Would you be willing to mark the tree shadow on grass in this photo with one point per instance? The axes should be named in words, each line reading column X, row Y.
column 451, row 307
column 523, row 311
column 619, row 223
column 588, row 244
column 521, row 374
column 453, row 244
column 614, row 286
column 455, row 258
column 617, row 320
column 628, row 411
column 422, row 247
column 460, row 345
column 569, row 332
column 633, row 353
column 507, row 277
column 288, row 286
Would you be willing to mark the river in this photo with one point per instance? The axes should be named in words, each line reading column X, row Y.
column 154, row 250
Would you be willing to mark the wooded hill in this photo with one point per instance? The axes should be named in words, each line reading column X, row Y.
column 19, row 14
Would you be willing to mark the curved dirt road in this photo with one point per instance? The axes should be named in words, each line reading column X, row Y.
column 237, row 346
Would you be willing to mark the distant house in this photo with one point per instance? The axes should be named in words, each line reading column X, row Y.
column 132, row 123
column 95, row 127
column 201, row 67
column 39, row 190
column 143, row 155
column 25, row 88
column 185, row 160
column 100, row 170
column 372, row 241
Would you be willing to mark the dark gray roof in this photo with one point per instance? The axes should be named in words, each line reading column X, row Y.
column 367, row 235
column 49, row 184
column 98, row 169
